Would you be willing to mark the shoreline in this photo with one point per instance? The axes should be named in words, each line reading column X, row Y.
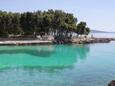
column 4, row 41
column 93, row 40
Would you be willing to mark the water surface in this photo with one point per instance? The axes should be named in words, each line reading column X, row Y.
column 103, row 35
column 57, row 65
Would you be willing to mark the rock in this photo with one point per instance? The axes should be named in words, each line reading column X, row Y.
column 112, row 83
column 91, row 40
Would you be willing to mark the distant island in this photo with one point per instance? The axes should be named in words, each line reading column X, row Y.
column 99, row 31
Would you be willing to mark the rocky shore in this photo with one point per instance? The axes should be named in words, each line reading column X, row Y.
column 66, row 41
column 112, row 83
column 92, row 40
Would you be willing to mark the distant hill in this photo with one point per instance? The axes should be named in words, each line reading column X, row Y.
column 98, row 31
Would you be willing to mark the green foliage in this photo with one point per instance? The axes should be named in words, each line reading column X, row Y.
column 31, row 23
column 82, row 29
column 87, row 30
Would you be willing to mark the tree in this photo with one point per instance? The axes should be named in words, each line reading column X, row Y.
column 4, row 24
column 55, row 22
column 87, row 30
column 81, row 28
column 16, row 29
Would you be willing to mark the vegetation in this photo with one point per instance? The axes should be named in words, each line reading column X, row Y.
column 54, row 22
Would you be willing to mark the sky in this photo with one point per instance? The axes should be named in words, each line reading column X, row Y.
column 99, row 14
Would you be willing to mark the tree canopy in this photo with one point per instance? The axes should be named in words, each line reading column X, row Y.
column 82, row 28
column 55, row 22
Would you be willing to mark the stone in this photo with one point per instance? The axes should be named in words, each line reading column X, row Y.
column 112, row 83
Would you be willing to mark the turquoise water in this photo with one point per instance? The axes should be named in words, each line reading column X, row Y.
column 57, row 65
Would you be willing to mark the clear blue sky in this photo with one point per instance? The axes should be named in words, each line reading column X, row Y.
column 99, row 14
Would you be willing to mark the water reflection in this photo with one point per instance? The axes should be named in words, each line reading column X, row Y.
column 58, row 68
column 57, row 57
column 82, row 51
column 42, row 51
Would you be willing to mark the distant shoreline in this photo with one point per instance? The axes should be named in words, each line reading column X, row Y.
column 99, row 31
